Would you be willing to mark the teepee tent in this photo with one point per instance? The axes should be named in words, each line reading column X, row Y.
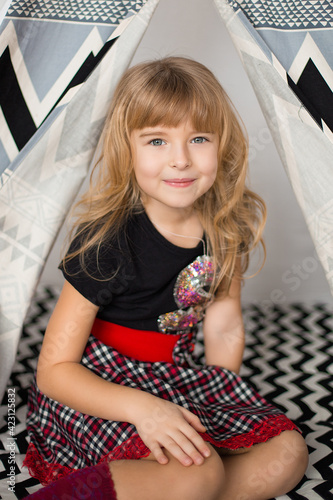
column 286, row 50
column 59, row 64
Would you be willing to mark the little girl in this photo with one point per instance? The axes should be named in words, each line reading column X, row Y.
column 161, row 241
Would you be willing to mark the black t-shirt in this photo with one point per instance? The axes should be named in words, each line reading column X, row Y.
column 142, row 268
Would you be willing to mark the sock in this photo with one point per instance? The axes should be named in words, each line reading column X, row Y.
column 90, row 483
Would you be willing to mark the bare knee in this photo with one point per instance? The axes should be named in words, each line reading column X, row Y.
column 208, row 479
column 267, row 470
column 195, row 482
column 291, row 458
column 141, row 479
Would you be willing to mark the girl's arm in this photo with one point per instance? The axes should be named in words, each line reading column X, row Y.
column 223, row 329
column 59, row 373
column 61, row 377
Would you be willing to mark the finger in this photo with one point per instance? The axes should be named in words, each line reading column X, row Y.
column 157, row 451
column 188, row 446
column 190, row 432
column 200, row 446
column 177, row 451
column 193, row 420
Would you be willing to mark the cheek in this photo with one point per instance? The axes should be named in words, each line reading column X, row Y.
column 146, row 164
column 145, row 174
column 208, row 162
column 212, row 179
column 211, row 170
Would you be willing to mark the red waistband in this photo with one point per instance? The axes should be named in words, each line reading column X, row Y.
column 142, row 345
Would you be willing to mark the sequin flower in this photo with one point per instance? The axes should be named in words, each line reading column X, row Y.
column 191, row 294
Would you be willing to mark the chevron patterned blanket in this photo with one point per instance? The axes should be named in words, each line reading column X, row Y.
column 288, row 358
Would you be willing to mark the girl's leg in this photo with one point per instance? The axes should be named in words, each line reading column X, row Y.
column 147, row 479
column 267, row 470
column 138, row 480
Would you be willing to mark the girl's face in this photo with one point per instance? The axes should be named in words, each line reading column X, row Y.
column 173, row 166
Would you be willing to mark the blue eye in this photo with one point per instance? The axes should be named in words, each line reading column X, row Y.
column 199, row 140
column 157, row 142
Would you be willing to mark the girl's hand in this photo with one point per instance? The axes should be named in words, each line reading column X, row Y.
column 162, row 424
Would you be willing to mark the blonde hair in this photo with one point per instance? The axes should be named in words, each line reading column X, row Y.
column 166, row 92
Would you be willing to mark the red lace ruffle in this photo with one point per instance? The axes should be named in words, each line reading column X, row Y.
column 42, row 470
column 134, row 448
column 261, row 433
column 46, row 472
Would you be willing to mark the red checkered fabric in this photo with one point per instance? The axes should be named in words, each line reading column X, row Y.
column 234, row 414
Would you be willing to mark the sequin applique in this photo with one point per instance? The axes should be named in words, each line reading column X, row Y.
column 191, row 295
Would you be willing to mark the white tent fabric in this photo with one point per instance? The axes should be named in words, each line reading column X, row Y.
column 4, row 4
column 39, row 186
column 306, row 150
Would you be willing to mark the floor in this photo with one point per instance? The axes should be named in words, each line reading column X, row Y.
column 288, row 358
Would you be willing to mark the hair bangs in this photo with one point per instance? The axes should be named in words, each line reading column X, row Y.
column 169, row 102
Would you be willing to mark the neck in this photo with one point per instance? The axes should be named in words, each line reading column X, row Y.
column 184, row 238
column 182, row 223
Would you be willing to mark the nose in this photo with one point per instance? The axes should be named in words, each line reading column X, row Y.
column 180, row 157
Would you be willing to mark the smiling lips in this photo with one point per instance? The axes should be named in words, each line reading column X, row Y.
column 179, row 183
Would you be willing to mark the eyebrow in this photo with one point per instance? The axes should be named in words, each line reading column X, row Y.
column 152, row 132
column 163, row 132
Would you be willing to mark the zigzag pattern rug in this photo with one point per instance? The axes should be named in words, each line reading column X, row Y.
column 288, row 358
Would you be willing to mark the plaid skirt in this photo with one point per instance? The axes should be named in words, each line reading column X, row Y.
column 62, row 439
